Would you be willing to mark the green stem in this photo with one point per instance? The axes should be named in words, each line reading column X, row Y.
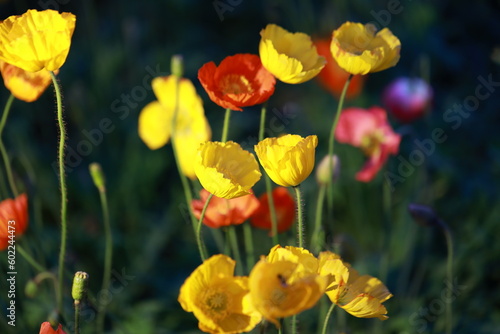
column 5, row 156
column 331, row 143
column 300, row 218
column 249, row 250
column 269, row 189
column 29, row 258
column 449, row 277
column 316, row 240
column 225, row 127
column 327, row 318
column 199, row 240
column 108, row 257
column 77, row 317
column 236, row 251
column 62, row 186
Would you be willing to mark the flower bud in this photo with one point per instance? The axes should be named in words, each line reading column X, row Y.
column 97, row 176
column 407, row 98
column 79, row 289
column 177, row 66
column 424, row 215
column 328, row 168
column 31, row 289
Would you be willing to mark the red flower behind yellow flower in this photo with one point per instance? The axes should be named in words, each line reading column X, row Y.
column 24, row 85
column 13, row 219
column 239, row 81
column 224, row 212
column 285, row 211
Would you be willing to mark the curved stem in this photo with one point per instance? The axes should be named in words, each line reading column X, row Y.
column 108, row 257
column 449, row 277
column 62, row 186
column 269, row 189
column 29, row 259
column 300, row 218
column 331, row 142
column 225, row 127
column 316, row 241
column 236, row 251
column 5, row 156
column 199, row 240
column 327, row 318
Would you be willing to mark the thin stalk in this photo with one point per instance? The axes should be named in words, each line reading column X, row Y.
column 269, row 189
column 235, row 249
column 300, row 216
column 225, row 127
column 77, row 317
column 249, row 250
column 331, row 142
column 108, row 257
column 316, row 242
column 30, row 259
column 327, row 318
column 199, row 240
column 62, row 186
column 449, row 277
column 5, row 156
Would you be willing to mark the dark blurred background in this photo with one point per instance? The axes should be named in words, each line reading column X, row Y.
column 119, row 46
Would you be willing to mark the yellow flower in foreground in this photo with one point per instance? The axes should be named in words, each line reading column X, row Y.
column 285, row 283
column 290, row 57
column 225, row 169
column 361, row 296
column 288, row 160
column 37, row 40
column 359, row 49
column 191, row 127
column 219, row 300
column 24, row 85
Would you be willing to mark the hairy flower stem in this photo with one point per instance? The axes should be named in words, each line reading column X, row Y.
column 235, row 249
column 327, row 318
column 269, row 190
column 5, row 157
column 29, row 258
column 300, row 216
column 77, row 317
column 199, row 240
column 449, row 277
column 62, row 186
column 225, row 127
column 316, row 240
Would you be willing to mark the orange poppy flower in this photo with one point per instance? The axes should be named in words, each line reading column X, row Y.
column 224, row 212
column 239, row 81
column 24, row 85
column 285, row 211
column 46, row 328
column 13, row 219
column 332, row 77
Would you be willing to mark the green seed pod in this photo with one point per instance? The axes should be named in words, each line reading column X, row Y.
column 79, row 290
column 97, row 176
column 177, row 66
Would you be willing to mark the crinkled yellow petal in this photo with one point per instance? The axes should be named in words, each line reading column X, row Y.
column 337, row 273
column 307, row 262
column 24, row 85
column 366, row 306
column 154, row 125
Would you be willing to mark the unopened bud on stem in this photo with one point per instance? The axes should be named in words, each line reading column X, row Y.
column 79, row 290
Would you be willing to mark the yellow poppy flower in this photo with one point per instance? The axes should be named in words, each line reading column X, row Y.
column 191, row 127
column 225, row 169
column 289, row 159
column 219, row 300
column 290, row 57
column 24, row 85
column 359, row 49
column 361, row 296
column 285, row 283
column 36, row 40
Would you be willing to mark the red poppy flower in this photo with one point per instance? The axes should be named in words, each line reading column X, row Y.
column 13, row 219
column 224, row 212
column 239, row 81
column 46, row 328
column 332, row 77
column 369, row 130
column 285, row 211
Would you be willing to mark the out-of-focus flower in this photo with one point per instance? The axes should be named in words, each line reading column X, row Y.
column 46, row 328
column 361, row 296
column 224, row 212
column 369, row 130
column 225, row 169
column 333, row 77
column 285, row 283
column 37, row 40
column 291, row 57
column 425, row 216
column 284, row 205
column 191, row 127
column 13, row 219
column 328, row 168
column 289, row 159
column 24, row 85
column 218, row 299
column 239, row 81
column 360, row 49
column 407, row 99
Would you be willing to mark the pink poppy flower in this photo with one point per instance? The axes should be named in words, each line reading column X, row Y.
column 369, row 130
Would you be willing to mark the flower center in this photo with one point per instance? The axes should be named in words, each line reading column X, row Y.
column 235, row 84
column 370, row 144
column 217, row 303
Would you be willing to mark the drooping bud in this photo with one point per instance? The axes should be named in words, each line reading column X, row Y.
column 328, row 167
column 31, row 289
column 177, row 66
column 79, row 289
column 425, row 215
column 97, row 176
